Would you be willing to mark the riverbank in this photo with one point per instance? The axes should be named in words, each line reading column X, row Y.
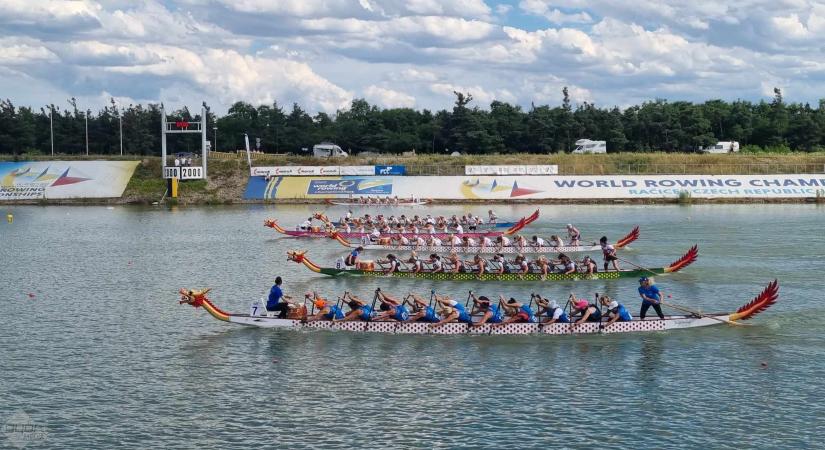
column 228, row 175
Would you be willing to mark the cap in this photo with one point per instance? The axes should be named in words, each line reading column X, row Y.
column 320, row 303
column 553, row 304
column 613, row 305
column 642, row 280
column 581, row 304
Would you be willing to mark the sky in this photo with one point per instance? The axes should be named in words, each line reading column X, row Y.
column 408, row 53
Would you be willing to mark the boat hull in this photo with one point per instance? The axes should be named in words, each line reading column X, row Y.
column 669, row 323
column 469, row 276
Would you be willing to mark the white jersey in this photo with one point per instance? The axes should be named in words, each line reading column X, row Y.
column 435, row 242
column 540, row 242
column 471, row 242
column 437, row 265
column 455, row 240
column 505, row 241
column 459, row 229
column 420, row 241
column 404, row 240
column 487, row 242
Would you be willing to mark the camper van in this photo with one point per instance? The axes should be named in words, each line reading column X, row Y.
column 722, row 147
column 588, row 146
column 328, row 150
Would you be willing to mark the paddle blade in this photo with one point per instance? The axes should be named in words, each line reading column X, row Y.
column 763, row 301
column 686, row 260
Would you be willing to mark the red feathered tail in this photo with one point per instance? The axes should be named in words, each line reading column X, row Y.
column 763, row 301
column 625, row 241
column 686, row 260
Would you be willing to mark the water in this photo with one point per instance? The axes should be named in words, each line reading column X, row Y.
column 104, row 356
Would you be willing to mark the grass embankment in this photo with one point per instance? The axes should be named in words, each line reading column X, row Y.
column 225, row 184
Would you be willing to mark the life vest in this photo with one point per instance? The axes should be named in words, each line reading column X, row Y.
column 624, row 314
column 401, row 313
column 429, row 315
column 463, row 315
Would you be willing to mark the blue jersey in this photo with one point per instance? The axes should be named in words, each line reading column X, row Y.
column 650, row 291
column 275, row 295
column 365, row 313
column 463, row 315
column 529, row 311
column 334, row 313
column 429, row 315
column 401, row 314
column 496, row 316
column 563, row 318
column 624, row 315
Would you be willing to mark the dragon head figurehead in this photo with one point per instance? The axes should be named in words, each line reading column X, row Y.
column 295, row 255
column 270, row 223
column 193, row 297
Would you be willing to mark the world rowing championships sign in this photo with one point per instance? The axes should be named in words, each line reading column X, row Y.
column 34, row 180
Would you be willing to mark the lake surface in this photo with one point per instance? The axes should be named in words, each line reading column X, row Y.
column 95, row 351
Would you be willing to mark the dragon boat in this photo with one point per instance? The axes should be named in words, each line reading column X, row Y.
column 760, row 303
column 483, row 226
column 322, row 232
column 401, row 202
column 511, row 249
column 368, row 268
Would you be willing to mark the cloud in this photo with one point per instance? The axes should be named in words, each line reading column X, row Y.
column 554, row 15
column 388, row 98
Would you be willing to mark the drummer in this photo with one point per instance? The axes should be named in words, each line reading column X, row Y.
column 574, row 235
column 352, row 258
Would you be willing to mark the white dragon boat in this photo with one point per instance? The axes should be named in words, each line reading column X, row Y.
column 761, row 302
column 510, row 249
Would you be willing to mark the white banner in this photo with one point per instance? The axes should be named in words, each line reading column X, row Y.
column 512, row 170
column 357, row 170
column 307, row 171
column 552, row 187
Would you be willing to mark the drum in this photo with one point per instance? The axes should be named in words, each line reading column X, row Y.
column 366, row 265
column 297, row 313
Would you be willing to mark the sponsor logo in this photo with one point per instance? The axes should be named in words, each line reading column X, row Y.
column 350, row 186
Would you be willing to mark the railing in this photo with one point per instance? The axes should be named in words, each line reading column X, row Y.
column 644, row 169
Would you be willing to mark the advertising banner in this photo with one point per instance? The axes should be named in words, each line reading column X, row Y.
column 357, row 170
column 303, row 171
column 512, row 170
column 32, row 180
column 546, row 187
column 390, row 170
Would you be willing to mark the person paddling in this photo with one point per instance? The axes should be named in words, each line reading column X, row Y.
column 452, row 311
column 423, row 312
column 518, row 312
column 650, row 297
column 588, row 312
column 359, row 310
column 615, row 311
column 326, row 310
column 394, row 308
column 552, row 311
column 489, row 313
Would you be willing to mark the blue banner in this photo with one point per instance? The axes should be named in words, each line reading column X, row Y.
column 390, row 170
column 356, row 186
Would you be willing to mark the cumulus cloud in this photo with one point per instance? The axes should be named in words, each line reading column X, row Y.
column 388, row 98
column 321, row 53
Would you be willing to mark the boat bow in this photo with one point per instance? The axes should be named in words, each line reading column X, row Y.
column 298, row 257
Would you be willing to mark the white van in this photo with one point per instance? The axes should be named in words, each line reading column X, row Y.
column 722, row 147
column 328, row 150
column 588, row 146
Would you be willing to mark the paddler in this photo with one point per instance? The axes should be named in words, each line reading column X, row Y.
column 518, row 312
column 551, row 310
column 415, row 261
column 538, row 243
column 492, row 217
column 452, row 311
column 392, row 262
column 501, row 242
column 306, row 225
column 588, row 312
column 326, row 310
column 456, row 263
column 393, row 308
column 435, row 263
column 358, row 309
column 615, row 311
column 556, row 241
column 609, row 253
column 277, row 301
column 489, row 313
column 423, row 311
column 588, row 265
column 650, row 297
column 479, row 263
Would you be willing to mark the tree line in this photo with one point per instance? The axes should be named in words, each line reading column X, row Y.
column 657, row 125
